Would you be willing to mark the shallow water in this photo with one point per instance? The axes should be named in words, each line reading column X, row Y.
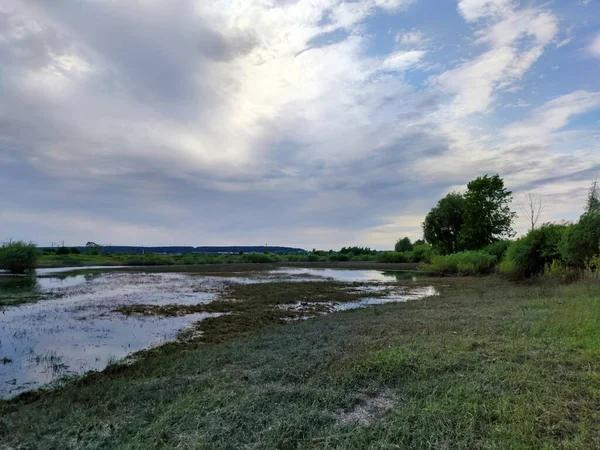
column 346, row 275
column 404, row 295
column 75, row 329
column 78, row 331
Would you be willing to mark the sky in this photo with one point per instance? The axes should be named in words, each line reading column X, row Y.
column 310, row 123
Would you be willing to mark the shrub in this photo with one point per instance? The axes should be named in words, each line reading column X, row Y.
column 421, row 253
column 18, row 257
column 393, row 257
column 75, row 251
column 463, row 263
column 339, row 257
column 530, row 254
column 559, row 271
column 498, row 249
column 581, row 241
column 509, row 268
column 62, row 251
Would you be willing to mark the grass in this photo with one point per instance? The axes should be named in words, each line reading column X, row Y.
column 462, row 263
column 487, row 364
column 82, row 260
column 247, row 307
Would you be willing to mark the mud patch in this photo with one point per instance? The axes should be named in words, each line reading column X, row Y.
column 368, row 410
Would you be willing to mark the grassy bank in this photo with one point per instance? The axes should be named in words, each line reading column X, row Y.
column 487, row 364
column 81, row 260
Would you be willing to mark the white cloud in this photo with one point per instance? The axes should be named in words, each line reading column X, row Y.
column 553, row 115
column 594, row 47
column 412, row 38
column 402, row 60
column 510, row 57
column 157, row 112
column 473, row 10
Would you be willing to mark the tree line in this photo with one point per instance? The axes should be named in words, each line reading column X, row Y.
column 472, row 232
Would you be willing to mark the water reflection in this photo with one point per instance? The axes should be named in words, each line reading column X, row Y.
column 347, row 275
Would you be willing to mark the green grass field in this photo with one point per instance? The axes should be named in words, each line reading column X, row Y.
column 487, row 364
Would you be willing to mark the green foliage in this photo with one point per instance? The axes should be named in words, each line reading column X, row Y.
column 530, row 254
column 393, row 257
column 149, row 259
column 403, row 245
column 18, row 257
column 340, row 257
column 444, row 223
column 593, row 201
column 463, row 263
column 421, row 253
column 62, row 251
column 498, row 249
column 74, row 251
column 356, row 251
column 487, row 214
column 559, row 271
column 582, row 240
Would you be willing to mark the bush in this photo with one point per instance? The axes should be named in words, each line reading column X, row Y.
column 530, row 254
column 149, row 259
column 421, row 253
column 393, row 257
column 581, row 241
column 18, row 257
column 498, row 249
column 75, row 251
column 463, row 263
column 340, row 257
column 560, row 272
column 62, row 251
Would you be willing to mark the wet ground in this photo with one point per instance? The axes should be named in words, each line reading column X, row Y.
column 74, row 327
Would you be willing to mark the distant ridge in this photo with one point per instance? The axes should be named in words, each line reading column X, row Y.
column 185, row 249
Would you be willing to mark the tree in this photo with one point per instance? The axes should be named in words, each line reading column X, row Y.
column 487, row 214
column 18, row 257
column 419, row 242
column 403, row 245
column 593, row 201
column 444, row 223
column 533, row 208
column 582, row 240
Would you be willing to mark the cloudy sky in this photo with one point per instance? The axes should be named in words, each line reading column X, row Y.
column 313, row 123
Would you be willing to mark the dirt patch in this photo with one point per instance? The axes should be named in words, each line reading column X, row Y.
column 368, row 410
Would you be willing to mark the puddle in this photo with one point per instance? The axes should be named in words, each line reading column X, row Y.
column 399, row 295
column 417, row 293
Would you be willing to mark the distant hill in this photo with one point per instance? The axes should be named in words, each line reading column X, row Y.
column 181, row 249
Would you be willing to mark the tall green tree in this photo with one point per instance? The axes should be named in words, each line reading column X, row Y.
column 487, row 214
column 593, row 202
column 444, row 223
column 403, row 245
column 582, row 240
